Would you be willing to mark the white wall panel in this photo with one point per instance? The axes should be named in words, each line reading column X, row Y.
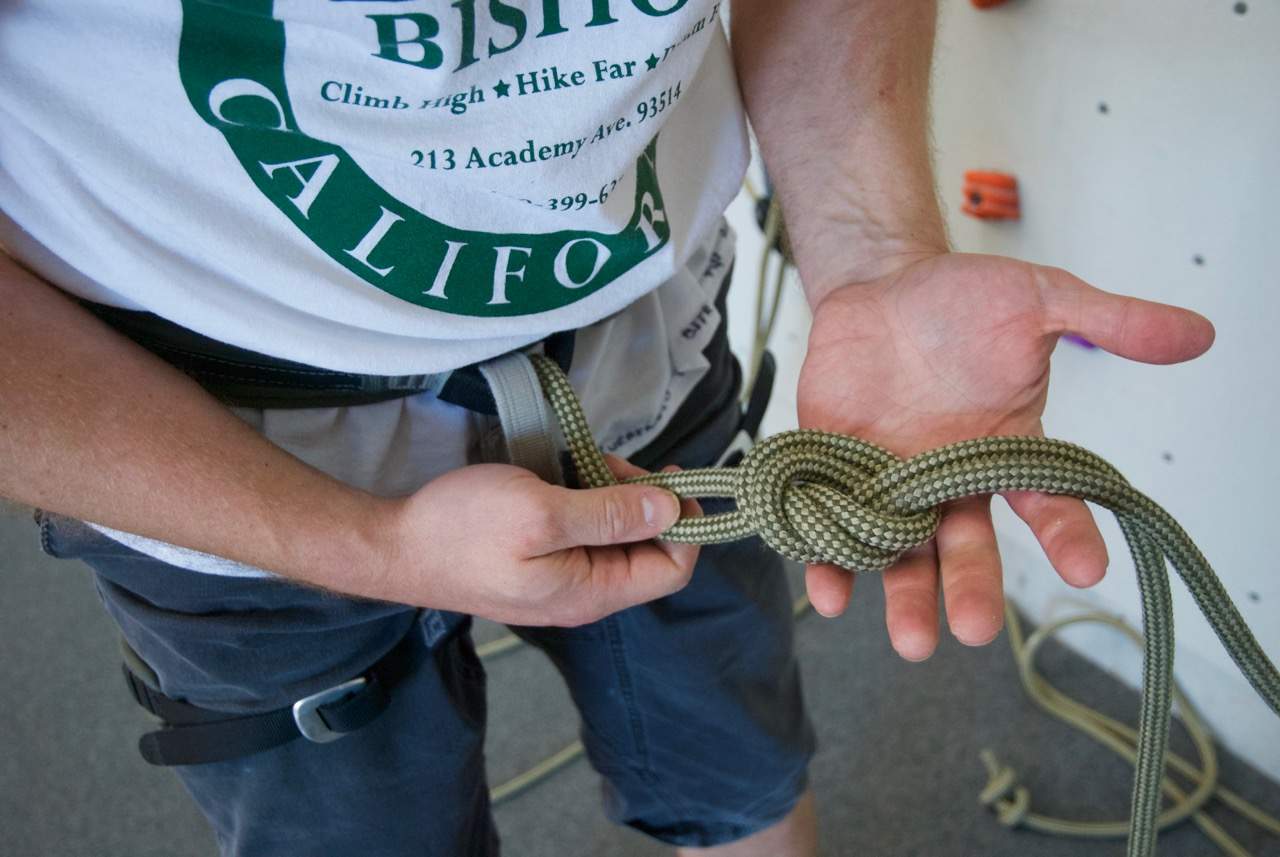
column 1183, row 163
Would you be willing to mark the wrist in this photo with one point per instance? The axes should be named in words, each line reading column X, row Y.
column 861, row 269
column 352, row 547
column 840, row 241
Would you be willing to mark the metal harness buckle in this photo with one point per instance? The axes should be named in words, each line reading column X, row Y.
column 306, row 711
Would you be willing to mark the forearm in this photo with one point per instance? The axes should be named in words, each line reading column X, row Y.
column 837, row 92
column 95, row 427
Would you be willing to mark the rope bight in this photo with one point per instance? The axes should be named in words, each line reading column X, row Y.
column 821, row 497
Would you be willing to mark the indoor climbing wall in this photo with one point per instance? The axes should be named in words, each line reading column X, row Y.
column 1144, row 137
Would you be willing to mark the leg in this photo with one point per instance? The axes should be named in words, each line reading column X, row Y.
column 692, row 707
column 794, row 836
column 410, row 782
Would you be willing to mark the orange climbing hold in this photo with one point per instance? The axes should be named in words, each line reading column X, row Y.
column 986, row 4
column 990, row 195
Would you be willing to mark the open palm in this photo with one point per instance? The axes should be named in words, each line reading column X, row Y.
column 952, row 347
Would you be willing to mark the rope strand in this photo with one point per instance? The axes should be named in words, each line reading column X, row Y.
column 821, row 497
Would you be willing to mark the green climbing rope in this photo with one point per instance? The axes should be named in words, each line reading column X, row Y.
column 820, row 497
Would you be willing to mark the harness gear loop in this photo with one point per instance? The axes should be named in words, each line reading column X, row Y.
column 824, row 497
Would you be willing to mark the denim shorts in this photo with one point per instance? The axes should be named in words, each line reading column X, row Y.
column 690, row 706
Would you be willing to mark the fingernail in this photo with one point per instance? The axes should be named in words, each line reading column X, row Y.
column 660, row 508
column 908, row 655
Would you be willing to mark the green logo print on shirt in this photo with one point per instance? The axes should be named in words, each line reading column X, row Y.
column 231, row 61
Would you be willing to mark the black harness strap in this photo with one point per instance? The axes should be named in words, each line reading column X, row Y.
column 239, row 377
column 193, row 735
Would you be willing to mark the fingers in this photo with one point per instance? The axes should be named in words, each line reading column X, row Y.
column 830, row 587
column 623, row 577
column 681, row 554
column 619, row 514
column 1067, row 532
column 624, row 469
column 618, row 576
column 1136, row 329
column 911, row 603
column 963, row 556
column 972, row 586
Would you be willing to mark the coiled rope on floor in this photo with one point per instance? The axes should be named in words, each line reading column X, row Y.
column 821, row 497
column 1011, row 801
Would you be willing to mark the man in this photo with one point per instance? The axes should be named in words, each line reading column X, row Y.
column 290, row 199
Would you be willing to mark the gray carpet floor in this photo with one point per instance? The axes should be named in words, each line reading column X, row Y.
column 897, row 774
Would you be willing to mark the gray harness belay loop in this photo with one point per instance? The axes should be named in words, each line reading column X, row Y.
column 528, row 425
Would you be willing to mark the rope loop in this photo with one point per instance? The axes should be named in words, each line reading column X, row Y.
column 812, row 496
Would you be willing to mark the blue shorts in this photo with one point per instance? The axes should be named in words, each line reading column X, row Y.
column 691, row 705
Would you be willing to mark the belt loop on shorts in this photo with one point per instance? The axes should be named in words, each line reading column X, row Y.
column 194, row 736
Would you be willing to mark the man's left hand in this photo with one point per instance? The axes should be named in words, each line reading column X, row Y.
column 950, row 347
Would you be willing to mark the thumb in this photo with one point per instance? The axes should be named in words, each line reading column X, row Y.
column 1128, row 327
column 614, row 515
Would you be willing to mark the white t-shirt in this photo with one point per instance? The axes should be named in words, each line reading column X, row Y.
column 376, row 187
column 388, row 188
column 631, row 370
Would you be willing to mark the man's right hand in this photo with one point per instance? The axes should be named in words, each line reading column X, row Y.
column 496, row 541
column 95, row 427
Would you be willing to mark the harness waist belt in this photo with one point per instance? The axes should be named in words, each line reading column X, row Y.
column 243, row 378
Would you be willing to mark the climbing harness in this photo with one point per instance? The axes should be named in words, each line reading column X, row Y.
column 821, row 497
